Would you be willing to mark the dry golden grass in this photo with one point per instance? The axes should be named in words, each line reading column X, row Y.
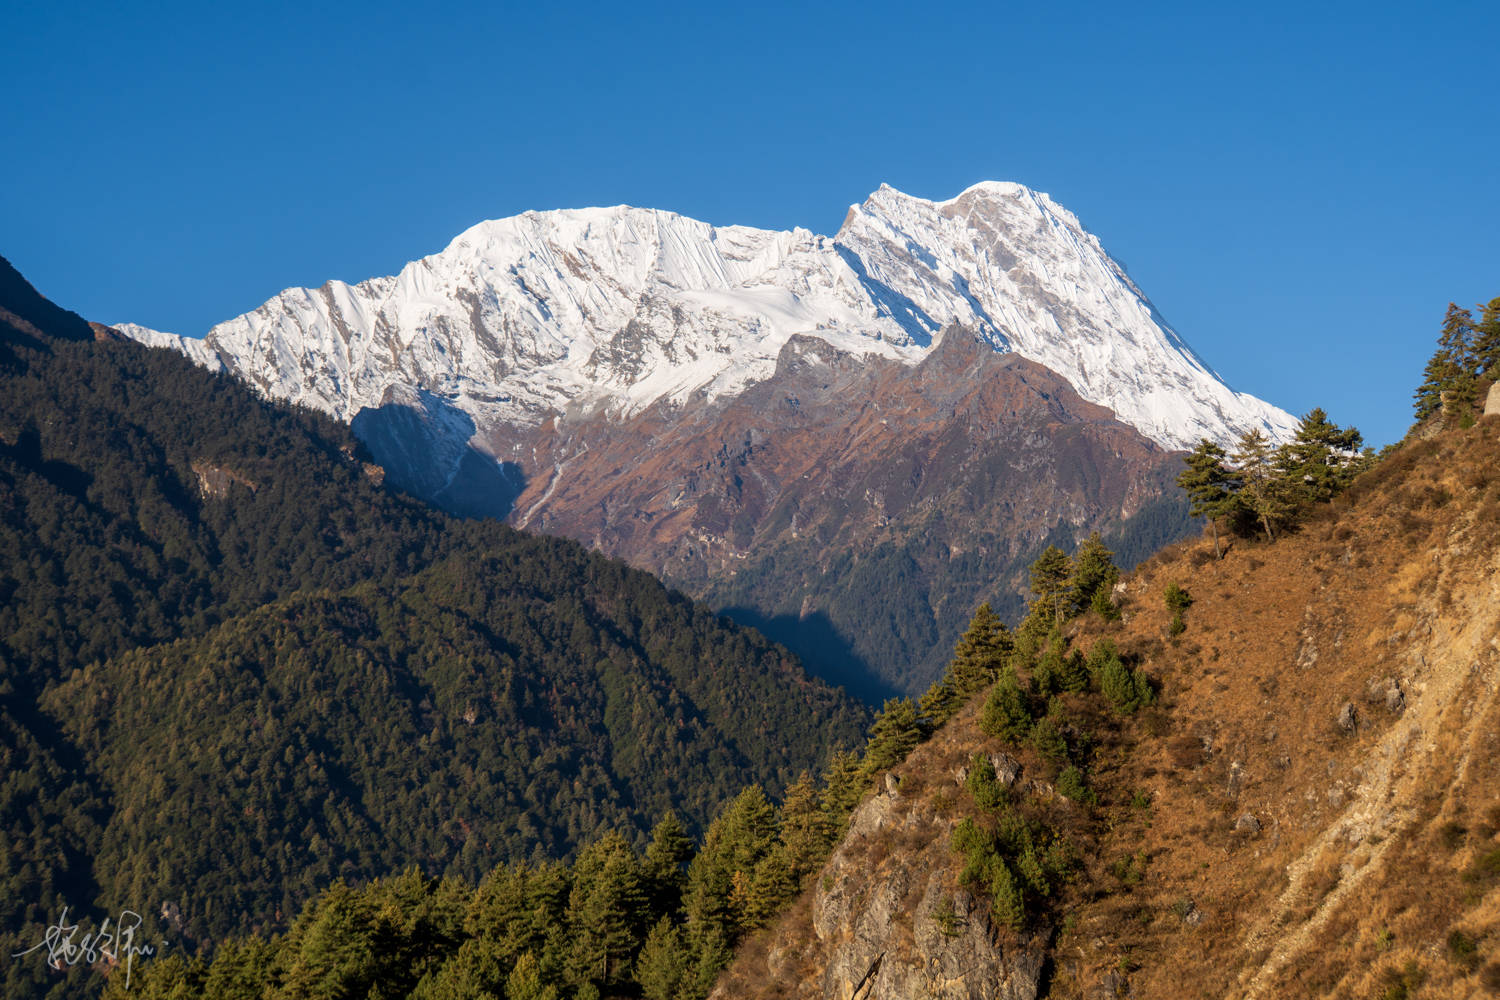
column 1372, row 844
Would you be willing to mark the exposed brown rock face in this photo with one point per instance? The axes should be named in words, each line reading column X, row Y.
column 818, row 500
column 907, row 933
column 104, row 333
column 214, row 481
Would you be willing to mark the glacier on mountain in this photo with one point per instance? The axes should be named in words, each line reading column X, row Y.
column 563, row 313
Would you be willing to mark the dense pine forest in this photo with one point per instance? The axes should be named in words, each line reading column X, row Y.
column 661, row 922
column 234, row 666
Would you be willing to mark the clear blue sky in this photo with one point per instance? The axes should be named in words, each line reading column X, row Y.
column 1300, row 188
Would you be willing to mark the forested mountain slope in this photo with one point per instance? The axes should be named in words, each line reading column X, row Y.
column 217, row 629
column 507, row 705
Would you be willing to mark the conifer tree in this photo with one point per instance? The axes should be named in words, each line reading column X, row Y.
column 1008, row 905
column 1047, row 736
column 1486, row 344
column 1126, row 689
column 1320, row 461
column 1178, row 601
column 525, row 981
column 843, row 784
column 895, row 733
column 767, row 889
column 663, row 966
column 1212, row 486
column 548, row 889
column 663, row 871
column 1047, row 675
column 338, row 951
column 804, row 832
column 1050, row 575
column 1075, row 672
column 1005, row 713
column 500, row 904
column 720, row 876
column 1094, row 573
column 977, row 658
column 478, row 969
column 1264, row 491
column 711, row 953
column 604, row 912
column 1450, row 370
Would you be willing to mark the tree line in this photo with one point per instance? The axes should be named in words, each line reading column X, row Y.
column 1258, row 487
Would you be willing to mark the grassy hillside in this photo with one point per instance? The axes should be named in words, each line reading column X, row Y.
column 1309, row 806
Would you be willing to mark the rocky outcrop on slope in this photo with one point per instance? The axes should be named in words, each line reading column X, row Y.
column 908, row 933
column 887, row 919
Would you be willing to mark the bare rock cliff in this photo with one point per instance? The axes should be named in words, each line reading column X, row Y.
column 908, row 933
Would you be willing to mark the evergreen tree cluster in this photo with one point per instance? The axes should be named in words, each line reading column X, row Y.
column 1467, row 360
column 1261, row 488
column 1065, row 587
column 1016, row 861
column 1043, row 689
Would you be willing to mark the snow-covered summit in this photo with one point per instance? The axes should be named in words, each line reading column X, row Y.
column 1021, row 269
column 550, row 314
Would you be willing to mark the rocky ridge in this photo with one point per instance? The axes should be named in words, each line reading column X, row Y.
column 812, row 501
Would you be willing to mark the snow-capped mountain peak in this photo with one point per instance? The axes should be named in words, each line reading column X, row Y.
column 548, row 314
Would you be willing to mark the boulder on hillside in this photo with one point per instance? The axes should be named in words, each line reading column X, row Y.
column 1386, row 691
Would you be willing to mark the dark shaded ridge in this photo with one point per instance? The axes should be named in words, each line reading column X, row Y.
column 422, row 443
column 23, row 302
column 820, row 644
